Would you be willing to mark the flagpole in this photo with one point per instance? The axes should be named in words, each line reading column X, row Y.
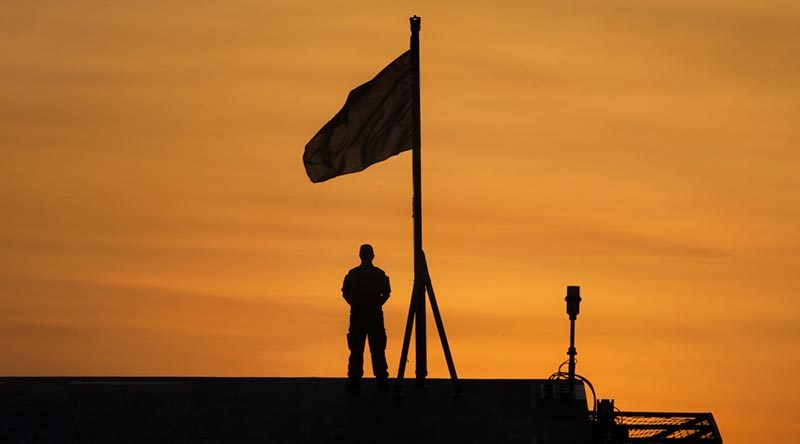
column 422, row 277
column 419, row 274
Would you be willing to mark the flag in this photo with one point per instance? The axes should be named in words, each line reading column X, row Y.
column 374, row 124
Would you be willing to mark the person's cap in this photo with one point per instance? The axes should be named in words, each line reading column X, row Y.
column 366, row 250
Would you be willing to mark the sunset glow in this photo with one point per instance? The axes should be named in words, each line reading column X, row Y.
column 156, row 219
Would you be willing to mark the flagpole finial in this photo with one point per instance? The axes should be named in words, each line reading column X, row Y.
column 416, row 23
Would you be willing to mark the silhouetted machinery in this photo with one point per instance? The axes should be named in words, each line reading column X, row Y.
column 612, row 426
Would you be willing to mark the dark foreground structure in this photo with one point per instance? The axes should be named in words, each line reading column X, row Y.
column 298, row 410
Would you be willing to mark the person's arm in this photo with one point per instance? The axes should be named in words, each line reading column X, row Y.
column 346, row 294
column 387, row 290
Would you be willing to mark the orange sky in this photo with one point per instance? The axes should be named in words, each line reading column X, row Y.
column 155, row 217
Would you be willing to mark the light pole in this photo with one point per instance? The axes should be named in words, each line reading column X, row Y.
column 573, row 308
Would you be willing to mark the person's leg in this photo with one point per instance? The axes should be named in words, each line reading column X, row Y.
column 355, row 342
column 377, row 348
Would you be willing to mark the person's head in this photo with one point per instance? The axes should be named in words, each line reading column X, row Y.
column 366, row 254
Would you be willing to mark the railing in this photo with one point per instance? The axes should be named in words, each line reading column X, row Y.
column 662, row 428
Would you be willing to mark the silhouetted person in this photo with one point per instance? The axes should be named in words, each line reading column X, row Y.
column 366, row 288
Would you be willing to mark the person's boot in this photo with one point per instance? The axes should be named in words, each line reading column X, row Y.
column 382, row 383
column 353, row 384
